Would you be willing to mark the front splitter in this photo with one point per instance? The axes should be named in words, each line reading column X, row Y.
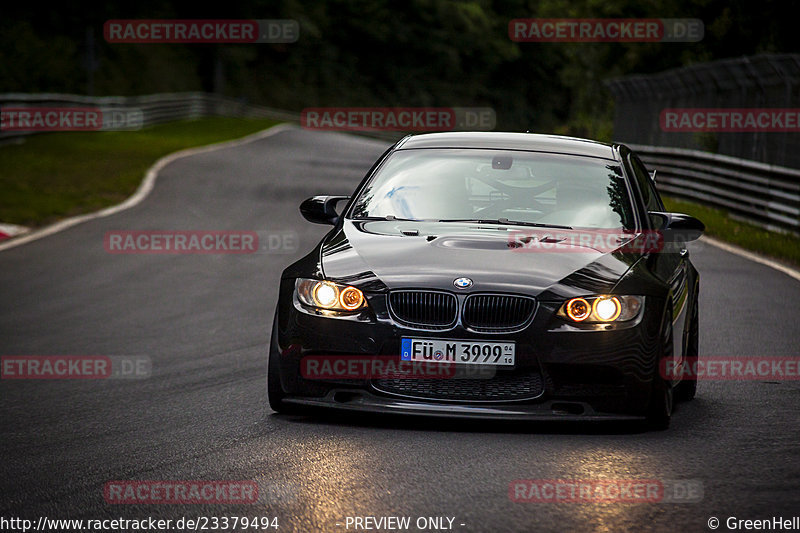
column 364, row 401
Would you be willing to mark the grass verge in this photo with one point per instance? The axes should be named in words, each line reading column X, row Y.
column 56, row 175
column 720, row 225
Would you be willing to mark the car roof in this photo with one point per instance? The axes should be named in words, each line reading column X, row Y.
column 534, row 142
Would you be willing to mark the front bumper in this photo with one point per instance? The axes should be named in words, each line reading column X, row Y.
column 585, row 373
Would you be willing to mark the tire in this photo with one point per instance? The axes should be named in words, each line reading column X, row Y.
column 659, row 412
column 275, row 393
column 687, row 389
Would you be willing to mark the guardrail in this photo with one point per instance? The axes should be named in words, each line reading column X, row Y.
column 151, row 109
column 158, row 108
column 766, row 195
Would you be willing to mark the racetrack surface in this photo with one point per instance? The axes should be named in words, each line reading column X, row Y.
column 204, row 321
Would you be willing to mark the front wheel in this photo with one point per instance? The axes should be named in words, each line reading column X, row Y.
column 687, row 388
column 275, row 393
column 659, row 412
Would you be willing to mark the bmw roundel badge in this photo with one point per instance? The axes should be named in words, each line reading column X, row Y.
column 462, row 283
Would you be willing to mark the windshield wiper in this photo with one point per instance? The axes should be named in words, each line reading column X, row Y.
column 390, row 217
column 505, row 221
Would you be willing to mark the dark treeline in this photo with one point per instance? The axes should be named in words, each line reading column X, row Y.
column 377, row 53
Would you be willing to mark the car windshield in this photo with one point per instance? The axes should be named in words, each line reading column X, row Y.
column 497, row 186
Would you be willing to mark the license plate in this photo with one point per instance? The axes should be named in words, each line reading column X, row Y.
column 465, row 352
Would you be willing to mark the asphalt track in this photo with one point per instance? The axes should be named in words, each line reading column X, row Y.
column 204, row 322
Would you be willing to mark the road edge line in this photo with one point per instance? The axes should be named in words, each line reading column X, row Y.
column 144, row 188
column 752, row 256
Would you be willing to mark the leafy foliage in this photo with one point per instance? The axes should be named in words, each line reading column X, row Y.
column 380, row 53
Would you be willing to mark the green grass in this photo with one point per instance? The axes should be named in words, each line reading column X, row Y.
column 56, row 175
column 720, row 225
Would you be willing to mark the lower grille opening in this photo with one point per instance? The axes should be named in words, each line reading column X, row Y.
column 585, row 380
column 345, row 397
column 502, row 387
column 567, row 408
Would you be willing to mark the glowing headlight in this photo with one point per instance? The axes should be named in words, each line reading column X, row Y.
column 324, row 294
column 578, row 309
column 351, row 298
column 607, row 309
column 602, row 308
column 328, row 295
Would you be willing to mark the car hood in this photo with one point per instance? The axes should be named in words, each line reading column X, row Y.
column 381, row 255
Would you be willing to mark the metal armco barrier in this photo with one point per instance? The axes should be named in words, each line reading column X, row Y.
column 159, row 108
column 155, row 108
column 766, row 195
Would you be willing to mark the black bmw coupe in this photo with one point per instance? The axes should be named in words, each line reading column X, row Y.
column 492, row 275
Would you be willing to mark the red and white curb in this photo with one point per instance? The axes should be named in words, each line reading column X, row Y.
column 11, row 230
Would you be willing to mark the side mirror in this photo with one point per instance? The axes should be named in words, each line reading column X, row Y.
column 677, row 227
column 653, row 176
column 321, row 209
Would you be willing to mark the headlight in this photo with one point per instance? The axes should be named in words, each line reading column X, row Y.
column 328, row 295
column 604, row 308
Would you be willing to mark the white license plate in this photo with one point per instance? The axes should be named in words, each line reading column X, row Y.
column 464, row 352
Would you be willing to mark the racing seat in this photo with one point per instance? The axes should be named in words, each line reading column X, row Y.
column 582, row 203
